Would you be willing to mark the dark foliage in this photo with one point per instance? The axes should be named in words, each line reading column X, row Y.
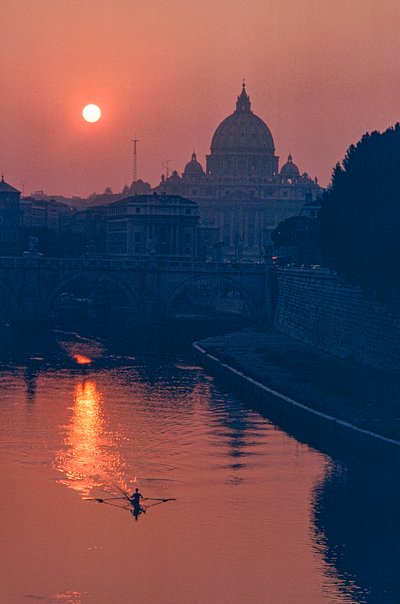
column 360, row 216
column 293, row 230
column 299, row 233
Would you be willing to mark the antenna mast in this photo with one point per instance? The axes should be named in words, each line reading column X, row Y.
column 165, row 165
column 23, row 183
column 135, row 141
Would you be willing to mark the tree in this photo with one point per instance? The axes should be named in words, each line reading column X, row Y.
column 360, row 215
column 296, row 239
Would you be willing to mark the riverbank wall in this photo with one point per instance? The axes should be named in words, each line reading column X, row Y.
column 306, row 422
column 320, row 309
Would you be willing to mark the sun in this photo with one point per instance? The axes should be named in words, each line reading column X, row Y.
column 91, row 113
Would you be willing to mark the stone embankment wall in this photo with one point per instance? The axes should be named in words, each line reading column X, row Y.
column 320, row 309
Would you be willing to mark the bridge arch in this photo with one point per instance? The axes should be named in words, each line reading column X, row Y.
column 92, row 287
column 210, row 295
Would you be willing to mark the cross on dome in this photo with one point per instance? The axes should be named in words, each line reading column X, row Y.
column 243, row 101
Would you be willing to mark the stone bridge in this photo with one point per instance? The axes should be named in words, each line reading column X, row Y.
column 34, row 289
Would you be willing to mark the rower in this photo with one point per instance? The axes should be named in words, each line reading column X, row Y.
column 135, row 498
column 135, row 501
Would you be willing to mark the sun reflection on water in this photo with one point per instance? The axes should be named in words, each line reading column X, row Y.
column 69, row 597
column 90, row 457
column 82, row 360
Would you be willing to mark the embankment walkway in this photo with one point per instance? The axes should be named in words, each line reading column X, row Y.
column 348, row 399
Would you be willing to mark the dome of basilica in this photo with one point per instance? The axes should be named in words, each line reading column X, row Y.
column 289, row 170
column 243, row 130
column 193, row 168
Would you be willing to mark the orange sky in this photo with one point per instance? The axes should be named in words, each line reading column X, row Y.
column 319, row 72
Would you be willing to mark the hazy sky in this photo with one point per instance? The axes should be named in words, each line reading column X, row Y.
column 319, row 72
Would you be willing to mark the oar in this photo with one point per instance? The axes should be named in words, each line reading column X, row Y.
column 159, row 499
column 126, row 496
column 150, row 505
column 115, row 505
column 103, row 499
column 108, row 502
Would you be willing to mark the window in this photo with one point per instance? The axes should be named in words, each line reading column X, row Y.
column 137, row 210
column 117, row 227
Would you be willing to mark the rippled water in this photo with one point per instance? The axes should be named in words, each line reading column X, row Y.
column 257, row 517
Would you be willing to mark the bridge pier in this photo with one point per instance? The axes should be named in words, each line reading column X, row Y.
column 150, row 303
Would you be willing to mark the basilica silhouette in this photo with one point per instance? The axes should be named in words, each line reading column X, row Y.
column 242, row 194
column 226, row 211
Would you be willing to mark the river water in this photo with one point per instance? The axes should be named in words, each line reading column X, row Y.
column 256, row 515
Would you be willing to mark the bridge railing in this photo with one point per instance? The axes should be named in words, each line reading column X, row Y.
column 127, row 264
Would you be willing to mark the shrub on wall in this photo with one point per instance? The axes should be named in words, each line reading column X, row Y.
column 299, row 234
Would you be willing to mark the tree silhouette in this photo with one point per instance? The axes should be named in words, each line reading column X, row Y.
column 360, row 215
column 299, row 234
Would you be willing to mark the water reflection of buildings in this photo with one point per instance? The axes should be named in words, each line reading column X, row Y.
column 358, row 530
column 31, row 375
column 90, row 458
column 238, row 430
column 355, row 511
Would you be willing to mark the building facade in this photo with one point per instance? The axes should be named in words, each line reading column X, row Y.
column 9, row 219
column 153, row 225
column 242, row 193
column 43, row 213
